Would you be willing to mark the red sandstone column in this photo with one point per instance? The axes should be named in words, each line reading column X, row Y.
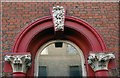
column 19, row 74
column 102, row 73
column 19, row 63
column 99, row 63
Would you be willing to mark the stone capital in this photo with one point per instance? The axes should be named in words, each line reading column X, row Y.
column 99, row 61
column 19, row 62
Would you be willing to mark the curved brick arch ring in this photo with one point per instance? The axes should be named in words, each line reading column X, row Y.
column 42, row 31
column 44, row 23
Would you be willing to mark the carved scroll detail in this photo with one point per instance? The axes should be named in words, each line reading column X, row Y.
column 19, row 63
column 58, row 18
column 99, row 61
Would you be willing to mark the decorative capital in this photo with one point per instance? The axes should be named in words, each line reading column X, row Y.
column 99, row 61
column 58, row 14
column 19, row 63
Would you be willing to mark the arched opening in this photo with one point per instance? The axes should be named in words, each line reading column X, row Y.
column 60, row 58
column 41, row 31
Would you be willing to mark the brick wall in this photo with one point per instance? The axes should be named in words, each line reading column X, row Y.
column 103, row 16
column 0, row 44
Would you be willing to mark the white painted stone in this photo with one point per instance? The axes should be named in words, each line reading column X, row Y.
column 99, row 61
column 19, row 63
column 58, row 17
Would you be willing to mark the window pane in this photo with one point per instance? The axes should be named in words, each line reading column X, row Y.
column 44, row 52
column 42, row 71
column 75, row 71
column 71, row 50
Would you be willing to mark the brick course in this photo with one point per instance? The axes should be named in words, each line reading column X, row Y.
column 103, row 16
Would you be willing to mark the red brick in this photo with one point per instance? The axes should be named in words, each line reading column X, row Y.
column 101, row 15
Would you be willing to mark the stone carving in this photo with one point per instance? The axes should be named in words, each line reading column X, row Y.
column 58, row 18
column 19, row 63
column 99, row 61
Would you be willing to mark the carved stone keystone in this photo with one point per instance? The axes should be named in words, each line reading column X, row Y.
column 99, row 61
column 58, row 14
column 19, row 63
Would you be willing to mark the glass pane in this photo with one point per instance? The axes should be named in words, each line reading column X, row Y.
column 42, row 71
column 71, row 49
column 75, row 71
column 44, row 52
column 58, row 57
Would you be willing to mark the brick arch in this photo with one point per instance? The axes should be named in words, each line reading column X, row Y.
column 42, row 31
column 74, row 23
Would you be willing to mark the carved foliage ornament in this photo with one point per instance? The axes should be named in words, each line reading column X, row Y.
column 99, row 61
column 19, row 63
column 58, row 18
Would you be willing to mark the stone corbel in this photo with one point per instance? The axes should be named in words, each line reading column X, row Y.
column 19, row 63
column 99, row 61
